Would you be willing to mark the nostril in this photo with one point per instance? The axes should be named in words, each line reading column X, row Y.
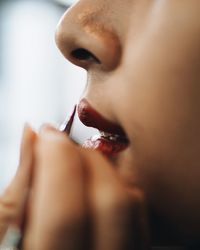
column 84, row 55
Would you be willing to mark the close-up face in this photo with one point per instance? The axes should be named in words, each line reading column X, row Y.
column 143, row 64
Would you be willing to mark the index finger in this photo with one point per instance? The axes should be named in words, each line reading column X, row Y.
column 57, row 213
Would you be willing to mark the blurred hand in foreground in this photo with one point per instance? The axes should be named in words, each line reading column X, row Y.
column 76, row 199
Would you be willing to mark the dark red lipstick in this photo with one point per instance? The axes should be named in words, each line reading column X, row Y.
column 91, row 118
column 112, row 138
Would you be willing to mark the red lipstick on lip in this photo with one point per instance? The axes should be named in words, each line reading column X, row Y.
column 91, row 118
column 113, row 139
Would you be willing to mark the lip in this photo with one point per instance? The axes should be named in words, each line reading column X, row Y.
column 112, row 139
column 91, row 118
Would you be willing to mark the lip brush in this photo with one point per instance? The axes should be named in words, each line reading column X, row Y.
column 66, row 126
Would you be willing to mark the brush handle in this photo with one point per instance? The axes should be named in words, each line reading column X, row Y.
column 66, row 126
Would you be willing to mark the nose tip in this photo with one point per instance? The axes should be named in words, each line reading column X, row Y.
column 87, row 43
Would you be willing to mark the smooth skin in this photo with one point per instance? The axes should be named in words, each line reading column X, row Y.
column 72, row 198
column 148, row 81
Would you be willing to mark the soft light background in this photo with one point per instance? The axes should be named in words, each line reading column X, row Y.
column 37, row 84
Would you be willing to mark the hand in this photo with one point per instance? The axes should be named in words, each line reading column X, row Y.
column 13, row 200
column 79, row 202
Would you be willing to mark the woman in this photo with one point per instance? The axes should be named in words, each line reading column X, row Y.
column 143, row 64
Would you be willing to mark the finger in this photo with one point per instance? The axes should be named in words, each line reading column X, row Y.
column 141, row 236
column 115, row 209
column 57, row 212
column 24, row 172
column 47, row 126
column 13, row 200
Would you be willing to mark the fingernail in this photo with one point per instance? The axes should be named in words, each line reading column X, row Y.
column 47, row 127
column 26, row 128
column 27, row 132
column 49, row 132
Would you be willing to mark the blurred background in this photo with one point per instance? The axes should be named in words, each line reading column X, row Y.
column 37, row 84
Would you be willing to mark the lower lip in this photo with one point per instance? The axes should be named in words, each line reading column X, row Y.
column 106, row 146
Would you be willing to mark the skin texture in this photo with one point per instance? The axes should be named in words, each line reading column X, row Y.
column 148, row 82
column 144, row 76
column 79, row 202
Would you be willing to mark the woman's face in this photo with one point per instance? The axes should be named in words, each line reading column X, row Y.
column 145, row 76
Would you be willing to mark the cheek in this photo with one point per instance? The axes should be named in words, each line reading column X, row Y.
column 160, row 83
column 162, row 120
column 161, row 112
column 157, row 101
column 162, row 68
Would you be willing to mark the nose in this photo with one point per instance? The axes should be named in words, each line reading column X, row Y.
column 87, row 41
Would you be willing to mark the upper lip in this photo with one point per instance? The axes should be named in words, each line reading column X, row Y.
column 92, row 118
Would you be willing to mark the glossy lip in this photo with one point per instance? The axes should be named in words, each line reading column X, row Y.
column 91, row 118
